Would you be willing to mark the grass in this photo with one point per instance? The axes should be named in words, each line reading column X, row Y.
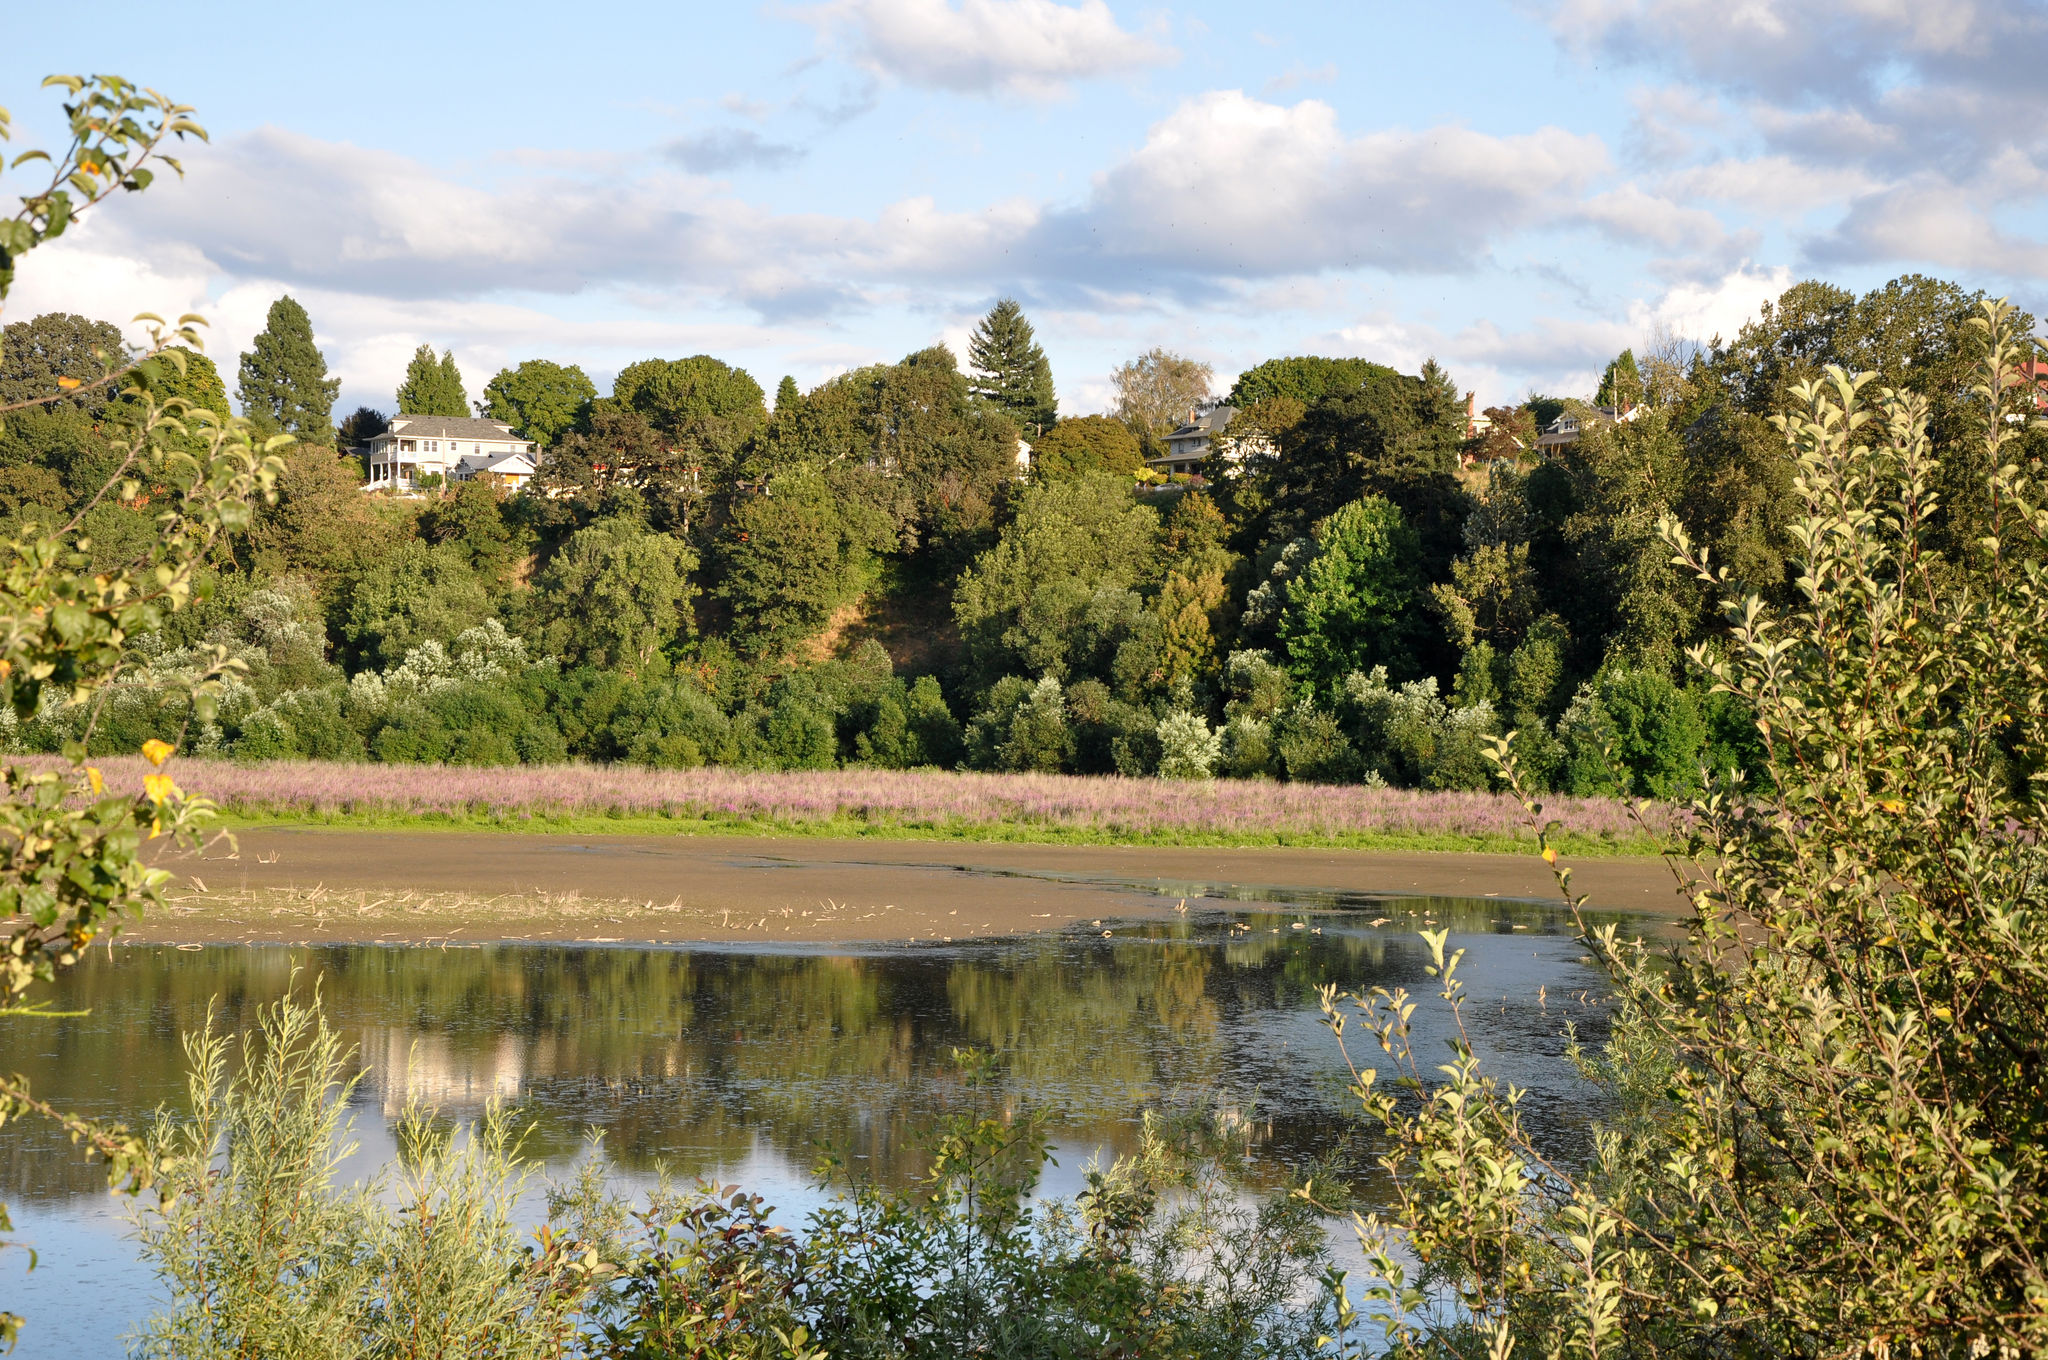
column 894, row 805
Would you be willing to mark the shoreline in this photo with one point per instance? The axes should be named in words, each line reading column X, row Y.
column 324, row 885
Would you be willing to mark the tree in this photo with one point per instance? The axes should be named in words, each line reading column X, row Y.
column 787, row 396
column 541, row 400
column 615, row 595
column 474, row 518
column 1844, row 1040
column 1304, row 379
column 1008, row 370
column 432, row 387
column 72, row 865
column 409, row 595
column 358, row 429
column 1345, row 611
column 64, row 354
column 1024, row 605
column 1080, row 445
column 1156, row 391
column 704, row 407
column 1621, row 384
column 284, row 383
column 788, row 561
column 908, row 446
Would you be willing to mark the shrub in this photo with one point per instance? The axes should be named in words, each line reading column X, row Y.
column 1829, row 1131
column 1187, row 748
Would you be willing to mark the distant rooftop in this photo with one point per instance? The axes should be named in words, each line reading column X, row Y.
column 450, row 427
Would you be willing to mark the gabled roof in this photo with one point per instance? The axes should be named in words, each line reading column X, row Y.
column 497, row 462
column 450, row 427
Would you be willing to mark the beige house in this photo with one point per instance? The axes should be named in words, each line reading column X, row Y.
column 455, row 448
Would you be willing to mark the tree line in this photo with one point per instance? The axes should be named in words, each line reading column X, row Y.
column 1353, row 589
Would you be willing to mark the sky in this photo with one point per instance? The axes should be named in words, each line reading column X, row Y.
column 1519, row 190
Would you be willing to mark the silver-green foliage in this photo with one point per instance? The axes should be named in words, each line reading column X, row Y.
column 265, row 1252
column 1830, row 1129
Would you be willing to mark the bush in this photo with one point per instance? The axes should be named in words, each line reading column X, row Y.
column 1187, row 748
column 1829, row 1133
column 1167, row 1254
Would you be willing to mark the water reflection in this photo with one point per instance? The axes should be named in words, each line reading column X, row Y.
column 701, row 1060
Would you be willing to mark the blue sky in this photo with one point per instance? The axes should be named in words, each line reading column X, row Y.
column 1519, row 190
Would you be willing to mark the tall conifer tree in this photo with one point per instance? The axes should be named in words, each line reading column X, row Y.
column 432, row 387
column 284, row 383
column 1008, row 371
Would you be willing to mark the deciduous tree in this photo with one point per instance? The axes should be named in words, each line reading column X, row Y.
column 1156, row 391
column 541, row 400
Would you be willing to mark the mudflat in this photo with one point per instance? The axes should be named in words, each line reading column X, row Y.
column 324, row 885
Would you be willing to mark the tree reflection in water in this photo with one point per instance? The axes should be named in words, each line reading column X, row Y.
column 697, row 1059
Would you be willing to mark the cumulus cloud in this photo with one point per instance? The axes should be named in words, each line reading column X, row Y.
column 1228, row 184
column 1031, row 49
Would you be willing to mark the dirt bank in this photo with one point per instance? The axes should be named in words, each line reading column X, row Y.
column 365, row 886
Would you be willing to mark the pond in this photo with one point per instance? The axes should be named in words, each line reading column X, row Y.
column 747, row 1066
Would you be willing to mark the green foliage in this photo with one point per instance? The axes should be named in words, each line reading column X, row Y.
column 410, row 595
column 284, row 383
column 1165, row 1253
column 616, row 594
column 790, row 559
column 1828, row 1135
column 72, row 866
column 61, row 362
column 432, row 387
column 1075, row 547
column 272, row 1256
column 541, row 400
column 1008, row 370
column 1621, row 383
column 1080, row 445
column 701, row 406
column 1344, row 613
column 1304, row 380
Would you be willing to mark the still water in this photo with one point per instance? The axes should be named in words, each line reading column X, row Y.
column 747, row 1066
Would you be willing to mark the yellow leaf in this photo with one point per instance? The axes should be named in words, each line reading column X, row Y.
column 1891, row 805
column 157, row 752
column 69, row 383
column 92, row 777
column 159, row 787
column 1549, row 855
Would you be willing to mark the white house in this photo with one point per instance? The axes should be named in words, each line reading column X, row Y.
column 1566, row 429
column 1189, row 444
column 457, row 448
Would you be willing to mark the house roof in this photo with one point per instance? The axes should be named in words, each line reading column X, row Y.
column 450, row 427
column 497, row 462
column 1212, row 421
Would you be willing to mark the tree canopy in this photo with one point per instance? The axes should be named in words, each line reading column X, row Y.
column 1306, row 379
column 540, row 399
column 1156, row 391
column 1080, row 445
column 432, row 387
column 284, row 383
column 1008, row 370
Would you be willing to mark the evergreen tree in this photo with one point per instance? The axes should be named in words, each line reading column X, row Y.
column 1009, row 371
column 786, row 396
column 1621, row 386
column 432, row 387
column 284, row 383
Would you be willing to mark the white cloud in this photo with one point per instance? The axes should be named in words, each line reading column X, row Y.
column 1031, row 49
column 1228, row 184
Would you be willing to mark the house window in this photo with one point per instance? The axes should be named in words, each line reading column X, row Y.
column 405, row 446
